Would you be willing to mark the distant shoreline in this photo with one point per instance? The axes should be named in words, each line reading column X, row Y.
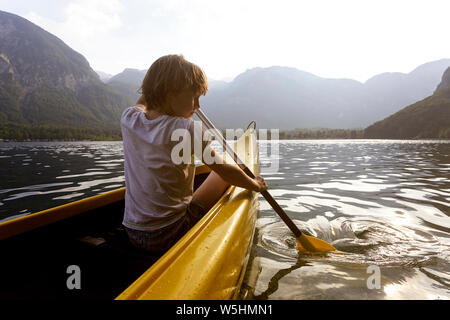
column 294, row 134
column 22, row 133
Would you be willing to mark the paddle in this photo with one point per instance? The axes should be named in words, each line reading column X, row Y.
column 304, row 243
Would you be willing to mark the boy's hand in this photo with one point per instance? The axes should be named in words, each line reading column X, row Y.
column 260, row 184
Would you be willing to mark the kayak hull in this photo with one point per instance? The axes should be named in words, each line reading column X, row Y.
column 209, row 262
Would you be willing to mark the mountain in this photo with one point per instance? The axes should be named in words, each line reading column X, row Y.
column 104, row 76
column 128, row 82
column 391, row 92
column 217, row 84
column 445, row 82
column 287, row 98
column 428, row 118
column 48, row 89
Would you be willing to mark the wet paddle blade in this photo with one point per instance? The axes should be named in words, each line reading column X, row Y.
column 308, row 244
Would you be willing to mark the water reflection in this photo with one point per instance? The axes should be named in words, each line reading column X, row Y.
column 383, row 203
column 41, row 175
column 380, row 203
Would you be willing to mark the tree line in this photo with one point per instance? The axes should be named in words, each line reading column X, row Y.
column 23, row 132
column 306, row 134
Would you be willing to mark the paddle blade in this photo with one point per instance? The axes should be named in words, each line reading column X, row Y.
column 308, row 244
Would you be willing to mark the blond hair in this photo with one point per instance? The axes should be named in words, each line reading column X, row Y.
column 169, row 75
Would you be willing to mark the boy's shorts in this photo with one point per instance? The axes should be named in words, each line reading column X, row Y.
column 159, row 241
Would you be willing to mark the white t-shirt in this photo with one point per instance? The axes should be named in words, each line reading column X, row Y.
column 158, row 190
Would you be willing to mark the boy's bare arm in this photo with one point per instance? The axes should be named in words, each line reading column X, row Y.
column 234, row 175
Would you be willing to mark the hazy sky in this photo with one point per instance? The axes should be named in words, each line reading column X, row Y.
column 336, row 39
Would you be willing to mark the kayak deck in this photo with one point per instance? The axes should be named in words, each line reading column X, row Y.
column 210, row 260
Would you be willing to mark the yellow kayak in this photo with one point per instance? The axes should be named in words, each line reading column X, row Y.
column 44, row 251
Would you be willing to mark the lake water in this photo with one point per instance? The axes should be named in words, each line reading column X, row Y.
column 41, row 175
column 384, row 205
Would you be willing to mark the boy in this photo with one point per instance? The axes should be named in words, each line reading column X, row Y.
column 160, row 205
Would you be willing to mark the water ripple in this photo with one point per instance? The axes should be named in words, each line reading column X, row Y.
column 32, row 173
column 380, row 203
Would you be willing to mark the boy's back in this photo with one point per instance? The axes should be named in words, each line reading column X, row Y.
column 160, row 190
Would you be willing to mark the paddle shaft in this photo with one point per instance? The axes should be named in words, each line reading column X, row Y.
column 242, row 165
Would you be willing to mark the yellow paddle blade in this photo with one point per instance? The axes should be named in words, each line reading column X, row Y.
column 308, row 244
